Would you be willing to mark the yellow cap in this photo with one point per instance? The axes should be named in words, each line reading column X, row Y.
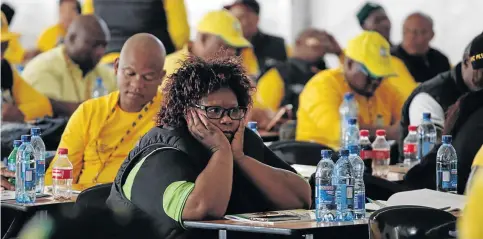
column 6, row 34
column 372, row 50
column 224, row 25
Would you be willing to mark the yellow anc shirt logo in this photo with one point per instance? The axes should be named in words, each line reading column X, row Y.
column 477, row 57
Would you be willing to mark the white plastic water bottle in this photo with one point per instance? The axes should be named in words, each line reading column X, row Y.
column 381, row 154
column 324, row 191
column 351, row 134
column 99, row 89
column 28, row 171
column 253, row 126
column 348, row 109
column 62, row 176
column 411, row 147
column 447, row 167
column 427, row 136
column 39, row 149
column 19, row 184
column 359, row 187
column 343, row 181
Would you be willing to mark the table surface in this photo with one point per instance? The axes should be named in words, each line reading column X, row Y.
column 39, row 204
column 281, row 228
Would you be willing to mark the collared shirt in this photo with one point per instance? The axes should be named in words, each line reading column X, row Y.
column 54, row 74
column 318, row 116
column 30, row 102
column 51, row 37
column 94, row 132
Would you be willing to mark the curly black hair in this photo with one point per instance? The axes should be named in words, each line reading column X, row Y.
column 197, row 78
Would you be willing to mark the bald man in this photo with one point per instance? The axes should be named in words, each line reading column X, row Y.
column 68, row 74
column 422, row 61
column 102, row 131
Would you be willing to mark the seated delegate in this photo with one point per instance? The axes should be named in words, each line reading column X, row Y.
column 102, row 131
column 200, row 162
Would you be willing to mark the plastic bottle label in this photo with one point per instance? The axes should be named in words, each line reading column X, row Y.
column 350, row 196
column 325, row 194
column 380, row 154
column 29, row 179
column 40, row 167
column 446, row 179
column 61, row 173
column 454, row 178
column 359, row 201
column 366, row 154
column 410, row 148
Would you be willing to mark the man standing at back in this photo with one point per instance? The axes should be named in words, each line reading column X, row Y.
column 102, row 131
column 367, row 64
column 67, row 74
column 421, row 60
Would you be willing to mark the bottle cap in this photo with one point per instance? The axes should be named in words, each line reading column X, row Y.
column 447, row 139
column 25, row 138
column 252, row 125
column 381, row 132
column 348, row 96
column 364, row 132
column 344, row 152
column 17, row 143
column 352, row 121
column 326, row 153
column 35, row 131
column 63, row 151
column 99, row 81
column 354, row 149
column 412, row 128
column 426, row 116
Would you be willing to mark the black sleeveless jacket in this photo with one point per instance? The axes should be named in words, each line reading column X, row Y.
column 245, row 196
column 125, row 18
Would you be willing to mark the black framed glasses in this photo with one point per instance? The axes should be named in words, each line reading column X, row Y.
column 217, row 112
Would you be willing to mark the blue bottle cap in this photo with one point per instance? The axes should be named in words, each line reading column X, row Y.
column 326, row 153
column 426, row 116
column 344, row 152
column 25, row 138
column 99, row 81
column 35, row 131
column 348, row 96
column 17, row 143
column 352, row 121
column 252, row 124
column 447, row 139
column 354, row 149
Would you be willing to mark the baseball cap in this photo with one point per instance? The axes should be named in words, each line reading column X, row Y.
column 476, row 52
column 224, row 25
column 371, row 50
column 252, row 4
column 6, row 34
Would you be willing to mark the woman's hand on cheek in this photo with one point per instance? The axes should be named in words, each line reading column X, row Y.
column 205, row 132
column 237, row 142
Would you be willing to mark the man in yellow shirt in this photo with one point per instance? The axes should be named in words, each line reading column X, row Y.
column 102, row 131
column 218, row 29
column 367, row 63
column 283, row 83
column 67, row 74
column 168, row 18
column 54, row 35
column 20, row 102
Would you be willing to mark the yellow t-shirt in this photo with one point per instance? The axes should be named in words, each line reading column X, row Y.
column 470, row 223
column 94, row 131
column 478, row 161
column 53, row 74
column 32, row 104
column 318, row 116
column 51, row 37
column 15, row 52
column 270, row 90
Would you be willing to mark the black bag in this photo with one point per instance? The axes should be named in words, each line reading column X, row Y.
column 51, row 132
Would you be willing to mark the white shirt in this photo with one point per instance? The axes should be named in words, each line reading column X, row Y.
column 423, row 102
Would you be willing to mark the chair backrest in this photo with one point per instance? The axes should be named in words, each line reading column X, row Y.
column 94, row 197
column 298, row 152
column 411, row 222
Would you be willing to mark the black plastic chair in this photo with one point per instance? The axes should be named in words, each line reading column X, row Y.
column 94, row 197
column 411, row 222
column 298, row 152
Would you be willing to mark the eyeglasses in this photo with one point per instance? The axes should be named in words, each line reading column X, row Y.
column 366, row 72
column 217, row 112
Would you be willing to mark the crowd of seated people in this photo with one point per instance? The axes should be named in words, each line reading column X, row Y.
column 172, row 123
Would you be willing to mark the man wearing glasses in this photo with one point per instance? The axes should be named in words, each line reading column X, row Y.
column 366, row 66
